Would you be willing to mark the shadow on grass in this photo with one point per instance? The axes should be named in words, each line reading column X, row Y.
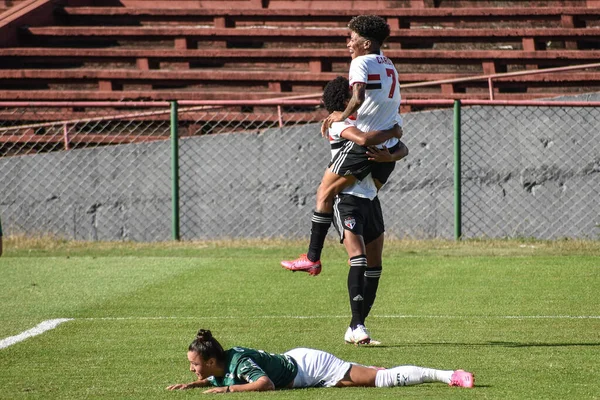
column 486, row 344
column 539, row 344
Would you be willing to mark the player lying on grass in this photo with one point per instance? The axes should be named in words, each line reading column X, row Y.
column 241, row 369
column 355, row 165
column 375, row 102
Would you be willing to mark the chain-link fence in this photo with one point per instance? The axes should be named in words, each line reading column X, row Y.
column 105, row 171
column 257, row 178
column 538, row 177
column 102, row 173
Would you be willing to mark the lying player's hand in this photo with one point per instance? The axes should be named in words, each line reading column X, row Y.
column 335, row 116
column 179, row 386
column 216, row 390
column 379, row 155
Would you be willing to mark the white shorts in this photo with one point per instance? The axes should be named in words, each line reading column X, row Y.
column 317, row 368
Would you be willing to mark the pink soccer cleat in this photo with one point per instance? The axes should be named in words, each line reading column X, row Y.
column 462, row 378
column 302, row 263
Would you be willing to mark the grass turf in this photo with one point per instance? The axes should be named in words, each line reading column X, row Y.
column 517, row 313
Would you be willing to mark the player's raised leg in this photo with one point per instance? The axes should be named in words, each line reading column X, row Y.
column 330, row 186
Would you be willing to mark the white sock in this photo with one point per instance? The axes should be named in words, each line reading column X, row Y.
column 407, row 375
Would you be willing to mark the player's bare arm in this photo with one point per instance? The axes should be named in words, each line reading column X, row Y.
column 384, row 155
column 371, row 138
column 191, row 385
column 332, row 184
column 358, row 97
column 262, row 384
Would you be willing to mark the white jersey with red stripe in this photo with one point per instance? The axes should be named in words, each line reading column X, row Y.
column 380, row 108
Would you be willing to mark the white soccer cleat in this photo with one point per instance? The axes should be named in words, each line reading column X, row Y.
column 348, row 336
column 371, row 341
column 360, row 336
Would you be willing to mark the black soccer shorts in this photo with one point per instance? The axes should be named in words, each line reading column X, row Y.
column 352, row 159
column 360, row 216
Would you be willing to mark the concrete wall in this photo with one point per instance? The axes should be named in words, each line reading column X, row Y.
column 109, row 193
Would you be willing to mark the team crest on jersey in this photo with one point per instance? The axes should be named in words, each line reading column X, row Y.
column 349, row 222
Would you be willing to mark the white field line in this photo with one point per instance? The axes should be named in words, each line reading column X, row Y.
column 345, row 316
column 36, row 330
column 53, row 323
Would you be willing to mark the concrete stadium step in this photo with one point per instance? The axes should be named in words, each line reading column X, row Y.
column 396, row 17
column 186, row 37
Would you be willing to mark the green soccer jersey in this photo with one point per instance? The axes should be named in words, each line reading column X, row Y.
column 245, row 365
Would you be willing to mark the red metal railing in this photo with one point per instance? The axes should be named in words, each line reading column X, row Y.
column 488, row 77
column 491, row 77
column 195, row 105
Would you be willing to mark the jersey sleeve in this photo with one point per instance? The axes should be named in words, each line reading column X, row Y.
column 358, row 71
column 248, row 371
column 336, row 129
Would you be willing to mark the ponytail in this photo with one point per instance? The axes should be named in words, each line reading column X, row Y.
column 207, row 346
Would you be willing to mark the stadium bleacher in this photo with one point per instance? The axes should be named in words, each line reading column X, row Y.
column 256, row 49
column 5, row 5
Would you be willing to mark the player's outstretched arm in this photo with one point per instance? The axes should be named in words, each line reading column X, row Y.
column 191, row 385
column 371, row 138
column 262, row 384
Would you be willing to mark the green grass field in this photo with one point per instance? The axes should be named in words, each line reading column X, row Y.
column 522, row 315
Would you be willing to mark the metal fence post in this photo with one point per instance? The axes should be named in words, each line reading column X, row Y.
column 457, row 171
column 175, row 170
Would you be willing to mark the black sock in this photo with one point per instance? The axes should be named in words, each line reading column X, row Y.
column 371, row 280
column 318, row 233
column 356, row 289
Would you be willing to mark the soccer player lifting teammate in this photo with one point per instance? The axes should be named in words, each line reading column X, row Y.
column 357, row 216
column 242, row 369
column 359, row 221
column 375, row 101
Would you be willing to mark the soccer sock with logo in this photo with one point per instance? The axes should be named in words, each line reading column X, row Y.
column 372, row 275
column 356, row 288
column 407, row 375
column 318, row 232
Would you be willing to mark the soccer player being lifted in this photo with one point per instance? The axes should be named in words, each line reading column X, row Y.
column 375, row 102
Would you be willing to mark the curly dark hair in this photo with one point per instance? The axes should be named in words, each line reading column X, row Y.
column 370, row 27
column 336, row 93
